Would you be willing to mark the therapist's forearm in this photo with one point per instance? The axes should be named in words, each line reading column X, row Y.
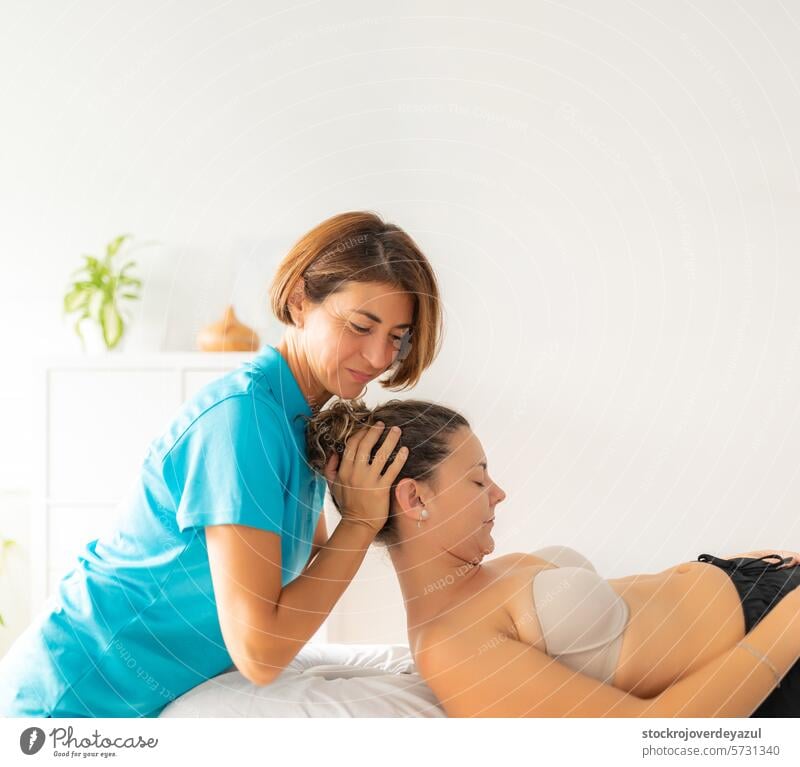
column 305, row 603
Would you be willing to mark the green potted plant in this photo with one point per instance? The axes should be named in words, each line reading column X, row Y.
column 5, row 545
column 99, row 291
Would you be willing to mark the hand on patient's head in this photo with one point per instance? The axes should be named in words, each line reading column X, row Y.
column 425, row 431
column 362, row 481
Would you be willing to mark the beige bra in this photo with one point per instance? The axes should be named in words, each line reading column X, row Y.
column 582, row 618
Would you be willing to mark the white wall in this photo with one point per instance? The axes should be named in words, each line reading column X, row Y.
column 609, row 192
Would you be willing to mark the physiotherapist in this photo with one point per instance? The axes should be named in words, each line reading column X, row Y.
column 220, row 556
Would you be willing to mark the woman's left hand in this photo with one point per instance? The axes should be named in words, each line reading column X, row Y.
column 792, row 555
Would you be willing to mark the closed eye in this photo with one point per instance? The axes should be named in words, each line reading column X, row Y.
column 479, row 484
column 359, row 329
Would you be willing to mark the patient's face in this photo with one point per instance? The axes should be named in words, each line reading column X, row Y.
column 356, row 331
column 465, row 495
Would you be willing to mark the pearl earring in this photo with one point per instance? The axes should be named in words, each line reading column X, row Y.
column 424, row 514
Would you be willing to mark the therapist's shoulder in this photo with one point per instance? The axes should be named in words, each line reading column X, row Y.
column 231, row 404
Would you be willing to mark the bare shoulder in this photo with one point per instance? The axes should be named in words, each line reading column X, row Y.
column 474, row 669
column 498, row 605
column 514, row 575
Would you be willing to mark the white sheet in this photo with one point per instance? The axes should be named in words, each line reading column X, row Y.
column 329, row 680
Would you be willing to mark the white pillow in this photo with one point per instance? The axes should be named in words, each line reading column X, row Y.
column 324, row 680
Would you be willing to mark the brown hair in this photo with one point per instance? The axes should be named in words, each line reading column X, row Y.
column 426, row 427
column 360, row 247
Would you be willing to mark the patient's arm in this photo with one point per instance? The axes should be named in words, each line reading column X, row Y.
column 475, row 672
column 736, row 682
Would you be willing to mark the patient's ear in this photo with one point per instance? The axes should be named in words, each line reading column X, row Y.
column 406, row 494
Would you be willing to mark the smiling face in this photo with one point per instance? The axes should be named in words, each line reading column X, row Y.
column 356, row 330
column 460, row 498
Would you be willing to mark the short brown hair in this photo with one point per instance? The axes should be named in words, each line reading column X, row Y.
column 359, row 246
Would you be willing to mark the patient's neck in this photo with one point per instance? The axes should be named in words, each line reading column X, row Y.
column 430, row 581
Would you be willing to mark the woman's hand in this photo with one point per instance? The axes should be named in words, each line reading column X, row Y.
column 793, row 556
column 360, row 491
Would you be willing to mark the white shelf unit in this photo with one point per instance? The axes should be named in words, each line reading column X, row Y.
column 97, row 416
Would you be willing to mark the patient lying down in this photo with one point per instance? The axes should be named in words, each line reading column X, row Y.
column 543, row 634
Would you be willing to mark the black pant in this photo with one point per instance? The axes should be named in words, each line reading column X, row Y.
column 761, row 585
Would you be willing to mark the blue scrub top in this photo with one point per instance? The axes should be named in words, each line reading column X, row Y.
column 134, row 624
